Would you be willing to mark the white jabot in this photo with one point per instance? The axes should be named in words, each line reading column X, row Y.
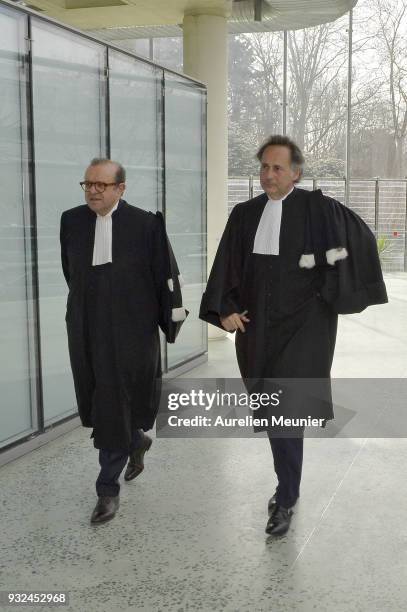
column 267, row 240
column 102, row 246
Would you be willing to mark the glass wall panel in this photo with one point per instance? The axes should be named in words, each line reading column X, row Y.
column 16, row 315
column 379, row 97
column 168, row 52
column 255, row 96
column 165, row 51
column 69, row 118
column 185, row 118
column 139, row 46
column 379, row 124
column 317, row 97
column 135, row 127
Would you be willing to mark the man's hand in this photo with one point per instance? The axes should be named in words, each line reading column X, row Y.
column 234, row 321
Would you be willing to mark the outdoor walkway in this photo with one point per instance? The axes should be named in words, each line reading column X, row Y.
column 189, row 534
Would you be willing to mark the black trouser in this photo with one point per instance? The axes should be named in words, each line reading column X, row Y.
column 287, row 455
column 274, row 334
column 112, row 463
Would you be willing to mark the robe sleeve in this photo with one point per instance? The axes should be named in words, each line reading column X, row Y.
column 360, row 278
column 346, row 248
column 167, row 279
column 221, row 297
column 340, row 242
column 64, row 255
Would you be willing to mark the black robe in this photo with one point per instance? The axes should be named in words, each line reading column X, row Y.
column 292, row 334
column 145, row 294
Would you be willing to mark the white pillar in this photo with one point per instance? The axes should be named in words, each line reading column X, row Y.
column 206, row 59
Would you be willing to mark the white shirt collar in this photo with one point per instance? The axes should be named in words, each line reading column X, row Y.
column 281, row 199
column 109, row 214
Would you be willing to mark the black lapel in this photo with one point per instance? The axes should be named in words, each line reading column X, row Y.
column 89, row 235
column 119, row 227
column 292, row 220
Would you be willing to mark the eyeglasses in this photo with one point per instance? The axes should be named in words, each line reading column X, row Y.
column 99, row 187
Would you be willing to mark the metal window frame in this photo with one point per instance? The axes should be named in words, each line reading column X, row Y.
column 41, row 432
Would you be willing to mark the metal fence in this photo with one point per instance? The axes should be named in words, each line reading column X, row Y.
column 382, row 204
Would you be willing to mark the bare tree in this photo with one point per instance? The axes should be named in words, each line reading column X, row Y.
column 317, row 96
column 391, row 20
column 267, row 53
column 317, row 93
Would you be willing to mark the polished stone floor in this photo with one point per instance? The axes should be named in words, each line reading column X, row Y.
column 189, row 534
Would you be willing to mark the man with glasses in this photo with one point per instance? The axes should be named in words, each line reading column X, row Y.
column 123, row 284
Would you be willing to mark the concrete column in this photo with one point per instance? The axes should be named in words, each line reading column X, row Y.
column 206, row 59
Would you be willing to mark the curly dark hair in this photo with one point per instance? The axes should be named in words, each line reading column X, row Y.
column 297, row 158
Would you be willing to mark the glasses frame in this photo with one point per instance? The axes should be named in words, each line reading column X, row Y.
column 93, row 184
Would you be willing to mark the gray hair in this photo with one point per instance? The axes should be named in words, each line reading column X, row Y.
column 120, row 176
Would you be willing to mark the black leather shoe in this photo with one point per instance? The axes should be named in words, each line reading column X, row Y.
column 105, row 509
column 136, row 461
column 279, row 521
column 272, row 505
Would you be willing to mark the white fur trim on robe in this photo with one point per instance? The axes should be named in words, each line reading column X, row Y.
column 170, row 282
column 178, row 314
column 307, row 261
column 334, row 255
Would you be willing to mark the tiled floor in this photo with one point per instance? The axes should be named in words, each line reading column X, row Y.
column 189, row 534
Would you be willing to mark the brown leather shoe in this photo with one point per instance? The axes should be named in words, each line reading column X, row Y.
column 136, row 461
column 105, row 509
